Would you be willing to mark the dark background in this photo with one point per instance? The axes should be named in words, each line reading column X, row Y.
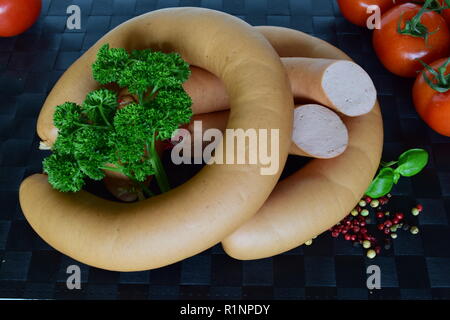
column 417, row 267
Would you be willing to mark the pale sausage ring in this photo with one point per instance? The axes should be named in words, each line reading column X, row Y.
column 202, row 212
column 319, row 195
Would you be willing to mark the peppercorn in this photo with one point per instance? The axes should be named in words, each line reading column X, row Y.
column 395, row 221
column 387, row 230
column 388, row 223
column 371, row 254
column 362, row 203
column 380, row 215
column 354, row 212
column 356, row 229
column 419, row 207
column 393, row 235
column 309, row 242
column 415, row 211
column 387, row 213
column 353, row 237
column 348, row 237
column 414, row 230
column 393, row 228
column 374, row 203
column 366, row 244
column 365, row 213
column 399, row 216
column 380, row 226
column 377, row 249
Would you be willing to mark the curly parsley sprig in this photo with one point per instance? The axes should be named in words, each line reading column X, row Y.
column 97, row 135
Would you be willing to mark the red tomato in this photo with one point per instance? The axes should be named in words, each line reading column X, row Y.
column 355, row 11
column 398, row 52
column 16, row 16
column 433, row 106
column 446, row 14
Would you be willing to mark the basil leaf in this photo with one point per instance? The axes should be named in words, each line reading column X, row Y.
column 396, row 177
column 412, row 162
column 382, row 184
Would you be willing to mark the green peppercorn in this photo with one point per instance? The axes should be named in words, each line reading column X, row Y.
column 394, row 228
column 414, row 230
column 415, row 211
column 354, row 212
column 362, row 203
column 371, row 254
column 374, row 203
column 387, row 213
column 364, row 212
column 309, row 242
column 367, row 244
column 393, row 235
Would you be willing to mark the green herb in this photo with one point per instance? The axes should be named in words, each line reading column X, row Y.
column 97, row 135
column 408, row 164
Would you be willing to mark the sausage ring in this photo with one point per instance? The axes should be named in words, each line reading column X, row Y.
column 202, row 212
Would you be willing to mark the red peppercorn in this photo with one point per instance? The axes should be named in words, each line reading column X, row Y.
column 419, row 207
column 359, row 209
column 395, row 221
column 380, row 226
column 344, row 231
column 356, row 229
column 348, row 237
column 378, row 249
column 368, row 199
column 362, row 224
column 388, row 223
column 353, row 237
column 387, row 230
column 380, row 215
column 335, row 234
column 348, row 222
column 399, row 215
column 363, row 230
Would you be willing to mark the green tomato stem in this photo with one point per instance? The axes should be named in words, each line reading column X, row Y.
column 414, row 27
column 442, row 83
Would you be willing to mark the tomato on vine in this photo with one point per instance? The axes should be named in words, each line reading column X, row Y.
column 431, row 95
column 410, row 33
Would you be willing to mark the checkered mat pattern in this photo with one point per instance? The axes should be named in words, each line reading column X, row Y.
column 417, row 267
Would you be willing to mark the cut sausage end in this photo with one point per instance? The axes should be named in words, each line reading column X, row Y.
column 319, row 131
column 349, row 88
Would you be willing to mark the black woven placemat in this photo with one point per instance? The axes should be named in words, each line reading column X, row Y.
column 418, row 267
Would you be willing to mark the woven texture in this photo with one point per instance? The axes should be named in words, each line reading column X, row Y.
column 417, row 267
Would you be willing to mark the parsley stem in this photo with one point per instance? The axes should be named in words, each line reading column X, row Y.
column 90, row 125
column 140, row 184
column 102, row 113
column 160, row 173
